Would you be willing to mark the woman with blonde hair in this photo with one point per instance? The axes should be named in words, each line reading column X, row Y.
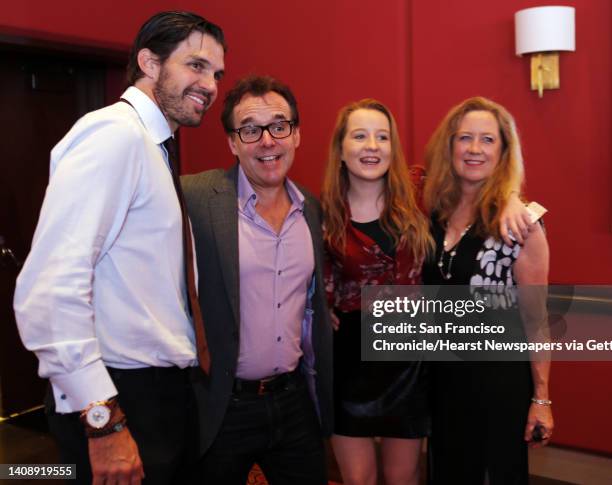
column 484, row 413
column 375, row 234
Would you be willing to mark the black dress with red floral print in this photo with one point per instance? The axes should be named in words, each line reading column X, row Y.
column 388, row 399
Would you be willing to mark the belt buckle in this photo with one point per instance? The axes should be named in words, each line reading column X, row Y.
column 261, row 390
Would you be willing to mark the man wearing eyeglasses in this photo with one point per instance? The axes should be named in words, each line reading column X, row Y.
column 260, row 254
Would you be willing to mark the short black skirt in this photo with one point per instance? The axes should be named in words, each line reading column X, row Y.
column 387, row 399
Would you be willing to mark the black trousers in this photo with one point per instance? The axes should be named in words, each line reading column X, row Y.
column 279, row 431
column 159, row 405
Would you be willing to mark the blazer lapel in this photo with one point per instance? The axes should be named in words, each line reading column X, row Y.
column 224, row 220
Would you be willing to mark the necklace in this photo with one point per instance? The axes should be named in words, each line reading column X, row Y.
column 447, row 275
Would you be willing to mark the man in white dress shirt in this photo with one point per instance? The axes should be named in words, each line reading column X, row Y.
column 102, row 298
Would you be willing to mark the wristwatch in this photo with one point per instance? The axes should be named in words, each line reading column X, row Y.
column 98, row 414
column 102, row 418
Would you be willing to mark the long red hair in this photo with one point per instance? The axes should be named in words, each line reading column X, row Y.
column 401, row 218
column 442, row 187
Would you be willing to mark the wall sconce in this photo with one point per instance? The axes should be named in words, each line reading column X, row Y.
column 543, row 32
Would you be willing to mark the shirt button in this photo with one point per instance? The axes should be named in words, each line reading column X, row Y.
column 278, row 339
column 279, row 272
column 63, row 396
column 276, row 369
column 278, row 305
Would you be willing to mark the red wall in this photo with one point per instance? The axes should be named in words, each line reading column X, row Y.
column 466, row 48
column 419, row 57
column 329, row 52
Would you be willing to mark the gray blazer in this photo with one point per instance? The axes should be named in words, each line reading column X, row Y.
column 211, row 198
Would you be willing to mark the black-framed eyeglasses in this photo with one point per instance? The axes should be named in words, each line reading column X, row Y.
column 253, row 133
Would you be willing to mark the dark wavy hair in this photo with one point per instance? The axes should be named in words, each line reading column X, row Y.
column 256, row 86
column 162, row 33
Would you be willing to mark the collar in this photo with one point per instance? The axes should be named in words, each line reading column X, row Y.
column 246, row 193
column 149, row 113
column 245, row 190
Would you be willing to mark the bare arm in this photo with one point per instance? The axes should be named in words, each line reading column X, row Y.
column 531, row 272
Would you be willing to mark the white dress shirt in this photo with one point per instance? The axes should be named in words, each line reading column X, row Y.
column 104, row 283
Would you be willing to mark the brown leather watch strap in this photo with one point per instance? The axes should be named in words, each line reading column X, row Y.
column 108, row 429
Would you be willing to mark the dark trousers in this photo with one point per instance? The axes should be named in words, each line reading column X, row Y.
column 479, row 415
column 159, row 406
column 279, row 431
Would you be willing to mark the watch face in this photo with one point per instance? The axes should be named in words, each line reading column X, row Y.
column 98, row 416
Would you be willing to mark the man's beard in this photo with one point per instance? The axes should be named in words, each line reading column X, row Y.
column 174, row 106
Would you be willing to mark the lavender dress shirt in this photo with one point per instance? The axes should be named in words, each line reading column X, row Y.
column 275, row 273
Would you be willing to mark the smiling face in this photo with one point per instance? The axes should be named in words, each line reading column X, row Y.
column 187, row 82
column 366, row 147
column 477, row 147
column 267, row 161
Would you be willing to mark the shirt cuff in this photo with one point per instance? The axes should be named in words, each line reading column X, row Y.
column 75, row 391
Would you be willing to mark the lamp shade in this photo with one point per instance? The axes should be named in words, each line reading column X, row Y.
column 544, row 29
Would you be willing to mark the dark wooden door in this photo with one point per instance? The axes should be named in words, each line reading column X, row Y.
column 41, row 96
